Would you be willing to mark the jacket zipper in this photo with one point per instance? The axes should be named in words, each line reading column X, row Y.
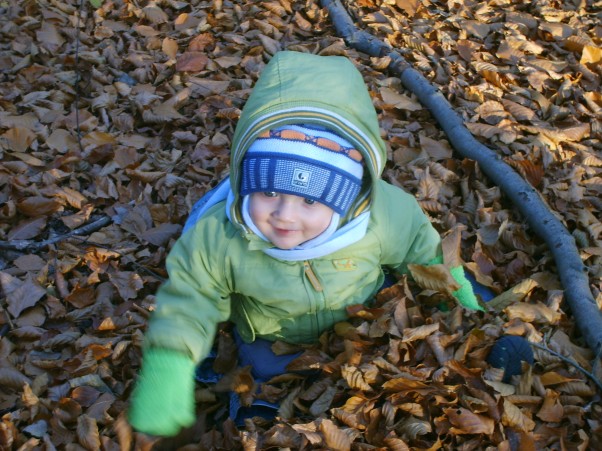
column 311, row 276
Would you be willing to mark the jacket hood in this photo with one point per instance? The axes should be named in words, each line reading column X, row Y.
column 301, row 88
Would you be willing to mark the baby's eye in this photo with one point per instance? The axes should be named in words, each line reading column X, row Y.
column 270, row 193
column 309, row 201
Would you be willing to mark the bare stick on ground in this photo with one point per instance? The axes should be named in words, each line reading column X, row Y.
column 572, row 271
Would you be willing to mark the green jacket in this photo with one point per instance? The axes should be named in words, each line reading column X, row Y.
column 218, row 270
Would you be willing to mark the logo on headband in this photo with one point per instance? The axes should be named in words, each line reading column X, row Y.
column 301, row 178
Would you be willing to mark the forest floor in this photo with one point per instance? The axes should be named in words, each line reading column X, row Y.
column 115, row 120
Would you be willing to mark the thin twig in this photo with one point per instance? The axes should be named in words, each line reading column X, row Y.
column 570, row 362
column 9, row 322
column 597, row 362
column 32, row 245
column 78, row 77
column 144, row 312
column 137, row 265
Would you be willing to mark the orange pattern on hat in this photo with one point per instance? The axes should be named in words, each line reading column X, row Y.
column 325, row 143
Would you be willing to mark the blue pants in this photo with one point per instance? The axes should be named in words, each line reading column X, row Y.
column 264, row 363
column 259, row 355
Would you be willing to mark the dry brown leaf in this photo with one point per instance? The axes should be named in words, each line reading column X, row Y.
column 161, row 234
column 286, row 408
column 20, row 294
column 537, row 312
column 400, row 101
column 450, row 246
column 402, row 384
column 354, row 378
column 577, row 388
column 81, row 296
column 557, row 30
column 420, row 332
column 434, row 277
column 191, row 61
column 17, row 138
column 467, row 422
column 551, row 409
column 302, row 22
column 12, row 378
column 513, row 416
column 492, row 112
column 334, row 437
column 124, row 431
column 35, row 206
column 323, row 402
column 71, row 196
column 87, row 433
column 532, row 172
column 200, row 42
column 409, row 6
column 50, row 37
column 518, row 111
column 127, row 283
column 28, row 229
column 309, row 431
column 437, row 149
column 154, row 14
column 427, row 188
column 282, row 436
column 591, row 55
column 170, row 47
column 484, row 130
column 513, row 295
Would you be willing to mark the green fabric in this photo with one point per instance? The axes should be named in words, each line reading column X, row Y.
column 438, row 260
column 214, row 275
column 163, row 399
column 465, row 294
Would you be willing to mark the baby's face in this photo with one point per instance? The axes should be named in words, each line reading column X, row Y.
column 288, row 220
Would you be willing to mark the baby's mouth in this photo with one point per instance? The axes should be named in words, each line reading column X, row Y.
column 284, row 231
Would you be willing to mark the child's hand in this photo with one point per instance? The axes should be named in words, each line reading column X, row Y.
column 163, row 400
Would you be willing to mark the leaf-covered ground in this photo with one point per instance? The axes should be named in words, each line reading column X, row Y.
column 114, row 121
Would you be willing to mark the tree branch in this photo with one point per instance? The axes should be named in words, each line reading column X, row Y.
column 593, row 378
column 32, row 245
column 572, row 271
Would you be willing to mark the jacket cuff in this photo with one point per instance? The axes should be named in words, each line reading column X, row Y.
column 465, row 295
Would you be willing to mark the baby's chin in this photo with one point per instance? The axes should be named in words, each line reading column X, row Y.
column 286, row 247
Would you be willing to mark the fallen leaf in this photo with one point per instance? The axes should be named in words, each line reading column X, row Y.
column 127, row 283
column 434, row 277
column 191, row 61
column 20, row 294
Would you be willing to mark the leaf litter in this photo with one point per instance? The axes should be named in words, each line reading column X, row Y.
column 125, row 110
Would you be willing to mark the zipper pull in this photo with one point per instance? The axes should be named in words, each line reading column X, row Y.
column 311, row 276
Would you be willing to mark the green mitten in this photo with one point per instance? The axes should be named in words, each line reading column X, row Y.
column 465, row 295
column 163, row 399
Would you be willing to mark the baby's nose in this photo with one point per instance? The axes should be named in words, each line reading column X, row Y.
column 287, row 210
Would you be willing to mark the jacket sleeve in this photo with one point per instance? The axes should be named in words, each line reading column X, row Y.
column 197, row 295
column 407, row 235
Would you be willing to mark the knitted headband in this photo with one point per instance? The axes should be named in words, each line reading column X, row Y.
column 309, row 162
